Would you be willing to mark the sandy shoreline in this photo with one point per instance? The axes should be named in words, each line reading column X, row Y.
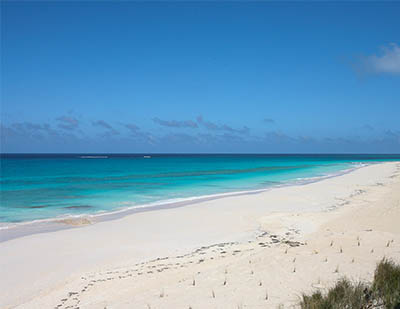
column 10, row 230
column 248, row 250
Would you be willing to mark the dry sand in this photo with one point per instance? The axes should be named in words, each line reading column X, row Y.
column 251, row 251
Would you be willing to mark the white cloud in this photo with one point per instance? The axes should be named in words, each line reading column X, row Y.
column 388, row 61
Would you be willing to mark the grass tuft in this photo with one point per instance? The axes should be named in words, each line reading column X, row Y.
column 336, row 269
column 386, row 283
column 384, row 292
column 343, row 295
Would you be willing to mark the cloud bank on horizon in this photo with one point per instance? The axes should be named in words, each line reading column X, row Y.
column 207, row 136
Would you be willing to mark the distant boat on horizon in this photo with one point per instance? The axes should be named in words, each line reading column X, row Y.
column 93, row 157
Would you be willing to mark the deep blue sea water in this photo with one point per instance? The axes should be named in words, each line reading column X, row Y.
column 35, row 187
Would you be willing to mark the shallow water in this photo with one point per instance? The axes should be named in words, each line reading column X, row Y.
column 35, row 187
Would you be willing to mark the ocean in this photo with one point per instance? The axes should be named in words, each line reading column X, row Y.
column 45, row 186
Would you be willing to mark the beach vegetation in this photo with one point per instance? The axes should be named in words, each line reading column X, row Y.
column 383, row 292
column 386, row 284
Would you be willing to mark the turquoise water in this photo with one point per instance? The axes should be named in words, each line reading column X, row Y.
column 37, row 187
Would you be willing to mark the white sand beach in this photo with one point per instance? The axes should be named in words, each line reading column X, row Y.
column 250, row 251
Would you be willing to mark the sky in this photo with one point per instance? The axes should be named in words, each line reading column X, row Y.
column 200, row 77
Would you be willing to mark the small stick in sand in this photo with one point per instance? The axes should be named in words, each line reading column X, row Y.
column 372, row 251
column 194, row 282
column 294, row 260
column 260, row 283
column 331, row 243
column 266, row 295
column 162, row 293
column 226, row 270
column 213, row 294
column 352, row 260
column 252, row 272
column 388, row 243
column 341, row 250
column 286, row 251
column 336, row 269
column 294, row 269
column 225, row 281
column 326, row 260
column 358, row 243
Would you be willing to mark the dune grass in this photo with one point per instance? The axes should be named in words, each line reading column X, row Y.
column 384, row 292
column 386, row 283
column 343, row 295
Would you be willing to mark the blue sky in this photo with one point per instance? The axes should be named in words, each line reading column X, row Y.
column 200, row 77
